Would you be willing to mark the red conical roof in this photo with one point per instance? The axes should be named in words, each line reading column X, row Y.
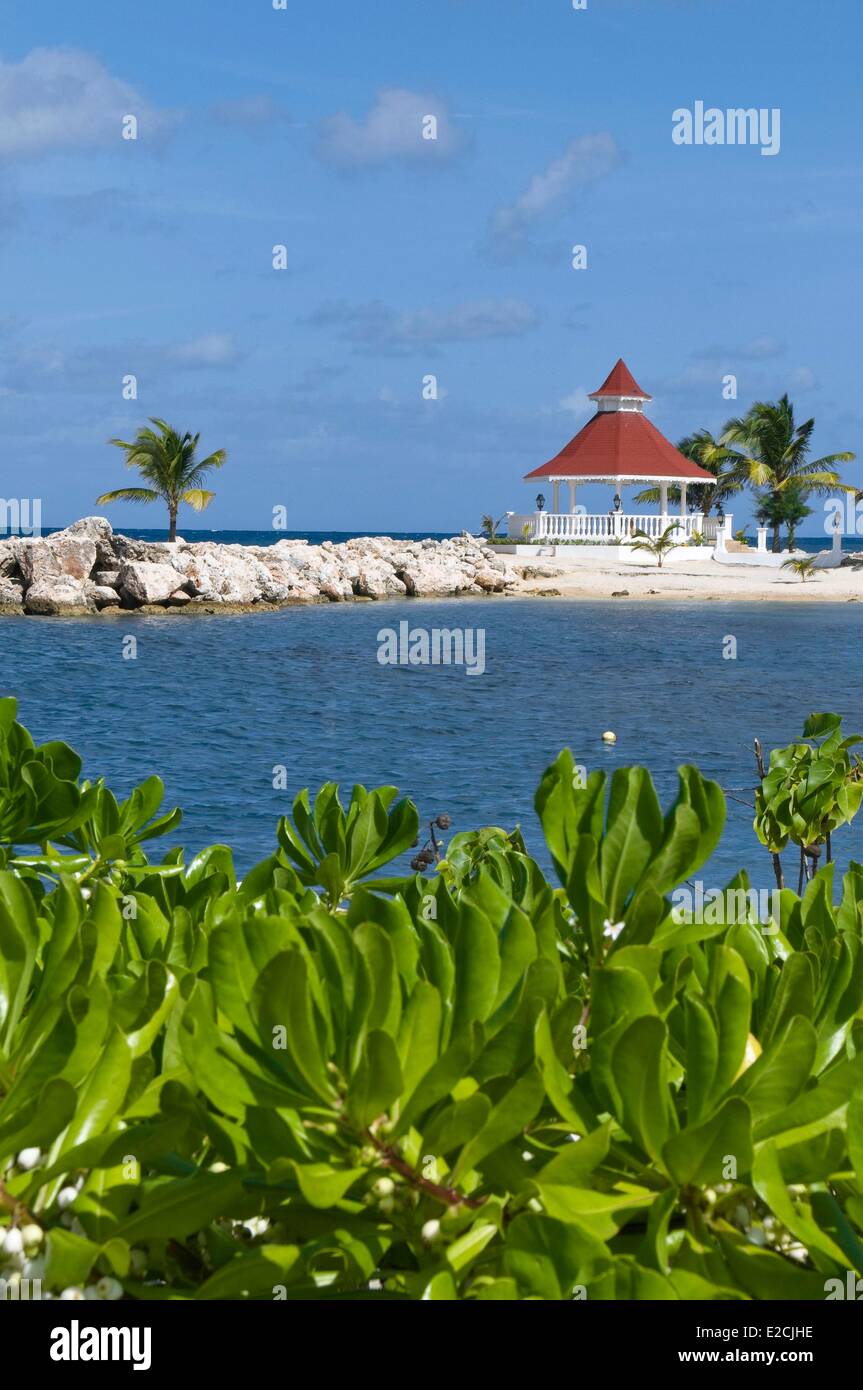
column 620, row 382
column 621, row 443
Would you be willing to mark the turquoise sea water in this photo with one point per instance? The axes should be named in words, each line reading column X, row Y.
column 215, row 703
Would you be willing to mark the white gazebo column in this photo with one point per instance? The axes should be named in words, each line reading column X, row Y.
column 663, row 499
column 555, row 496
column 571, row 498
column 683, row 487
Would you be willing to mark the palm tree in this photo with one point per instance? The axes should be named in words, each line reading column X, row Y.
column 776, row 453
column 489, row 526
column 708, row 453
column 804, row 568
column 167, row 460
column 659, row 546
column 786, row 507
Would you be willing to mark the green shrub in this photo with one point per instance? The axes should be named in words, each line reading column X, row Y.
column 319, row 1082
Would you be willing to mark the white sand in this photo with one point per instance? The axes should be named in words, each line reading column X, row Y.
column 698, row 577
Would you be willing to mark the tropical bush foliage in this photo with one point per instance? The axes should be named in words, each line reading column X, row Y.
column 320, row 1082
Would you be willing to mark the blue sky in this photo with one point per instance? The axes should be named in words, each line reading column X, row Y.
column 411, row 257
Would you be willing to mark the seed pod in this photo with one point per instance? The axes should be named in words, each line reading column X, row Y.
column 110, row 1289
column 32, row 1235
column 443, row 822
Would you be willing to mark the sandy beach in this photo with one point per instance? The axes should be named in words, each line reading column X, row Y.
column 699, row 577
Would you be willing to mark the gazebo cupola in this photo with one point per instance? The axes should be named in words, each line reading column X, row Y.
column 620, row 391
column 618, row 446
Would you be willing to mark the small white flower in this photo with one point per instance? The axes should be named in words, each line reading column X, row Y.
column 14, row 1242
column 612, row 929
column 72, row 1294
column 28, row 1158
column 257, row 1225
column 430, row 1231
column 384, row 1187
column 66, row 1197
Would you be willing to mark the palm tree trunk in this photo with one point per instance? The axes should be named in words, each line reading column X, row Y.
column 172, row 523
column 777, row 539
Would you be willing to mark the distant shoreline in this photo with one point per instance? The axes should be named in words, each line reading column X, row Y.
column 88, row 570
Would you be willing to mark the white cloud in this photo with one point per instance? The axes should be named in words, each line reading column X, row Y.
column 395, row 128
column 803, row 379
column 210, row 350
column 375, row 327
column 584, row 162
column 578, row 402
column 63, row 98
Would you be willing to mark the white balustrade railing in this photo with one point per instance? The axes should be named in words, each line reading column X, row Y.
column 603, row 528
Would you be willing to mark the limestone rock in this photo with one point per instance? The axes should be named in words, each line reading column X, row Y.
column 60, row 555
column 377, row 579
column 142, row 581
column 105, row 596
column 11, row 594
column 60, row 594
column 127, row 548
column 97, row 529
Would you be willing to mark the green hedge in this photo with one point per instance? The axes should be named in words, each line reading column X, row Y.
column 466, row 1082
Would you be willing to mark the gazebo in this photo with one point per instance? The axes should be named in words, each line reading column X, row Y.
column 618, row 446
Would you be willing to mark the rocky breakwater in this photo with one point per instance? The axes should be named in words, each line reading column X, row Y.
column 88, row 569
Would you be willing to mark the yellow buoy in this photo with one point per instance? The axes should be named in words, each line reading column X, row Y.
column 609, row 736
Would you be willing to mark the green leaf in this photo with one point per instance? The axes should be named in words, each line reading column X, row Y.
column 639, row 1069
column 508, row 1119
column 574, row 1163
column 177, row 1207
column 769, row 1182
column 699, row 1155
column 377, row 1082
column 323, row 1185
column 253, row 1274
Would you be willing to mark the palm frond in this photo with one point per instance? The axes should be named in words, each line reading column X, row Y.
column 128, row 494
column 198, row 498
